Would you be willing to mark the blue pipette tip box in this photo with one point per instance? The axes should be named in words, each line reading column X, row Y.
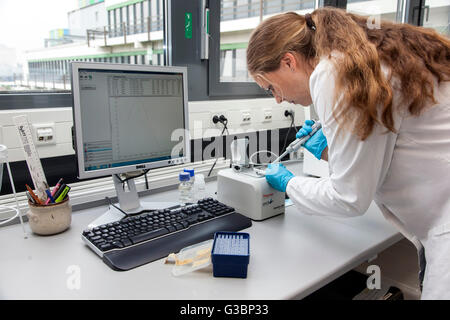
column 230, row 254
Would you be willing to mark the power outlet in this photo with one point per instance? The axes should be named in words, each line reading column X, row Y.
column 44, row 133
column 288, row 112
column 246, row 117
column 267, row 115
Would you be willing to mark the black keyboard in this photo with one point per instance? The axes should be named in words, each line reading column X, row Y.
column 137, row 240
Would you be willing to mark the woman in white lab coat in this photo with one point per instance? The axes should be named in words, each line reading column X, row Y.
column 382, row 94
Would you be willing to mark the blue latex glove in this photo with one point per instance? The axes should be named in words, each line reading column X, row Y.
column 317, row 143
column 305, row 129
column 278, row 176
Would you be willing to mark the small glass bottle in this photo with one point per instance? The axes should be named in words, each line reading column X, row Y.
column 184, row 188
column 199, row 188
column 192, row 182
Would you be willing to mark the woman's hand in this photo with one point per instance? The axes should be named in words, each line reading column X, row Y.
column 278, row 176
column 317, row 143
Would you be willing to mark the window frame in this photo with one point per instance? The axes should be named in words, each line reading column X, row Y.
column 216, row 88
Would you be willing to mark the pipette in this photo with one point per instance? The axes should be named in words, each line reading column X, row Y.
column 297, row 143
column 293, row 146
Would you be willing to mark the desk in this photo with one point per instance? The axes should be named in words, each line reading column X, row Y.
column 291, row 256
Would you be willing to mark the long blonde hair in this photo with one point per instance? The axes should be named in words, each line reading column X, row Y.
column 416, row 56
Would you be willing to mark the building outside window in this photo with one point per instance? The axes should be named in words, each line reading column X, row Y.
column 240, row 17
column 117, row 31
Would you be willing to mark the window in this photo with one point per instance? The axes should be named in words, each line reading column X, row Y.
column 436, row 15
column 376, row 9
column 238, row 18
column 39, row 60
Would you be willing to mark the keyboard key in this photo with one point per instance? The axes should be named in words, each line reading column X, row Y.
column 149, row 235
column 117, row 244
column 98, row 242
column 179, row 226
column 192, row 220
column 106, row 246
column 184, row 223
column 126, row 242
column 171, row 228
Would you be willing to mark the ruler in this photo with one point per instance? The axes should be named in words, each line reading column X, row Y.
column 31, row 156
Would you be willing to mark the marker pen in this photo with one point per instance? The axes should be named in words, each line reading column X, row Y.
column 50, row 198
column 58, row 185
column 58, row 192
column 63, row 194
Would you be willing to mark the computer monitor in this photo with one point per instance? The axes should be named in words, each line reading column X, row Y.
column 128, row 118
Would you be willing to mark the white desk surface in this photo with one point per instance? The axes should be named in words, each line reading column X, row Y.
column 291, row 256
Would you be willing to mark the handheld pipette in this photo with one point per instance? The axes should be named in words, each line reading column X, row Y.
column 294, row 145
column 297, row 143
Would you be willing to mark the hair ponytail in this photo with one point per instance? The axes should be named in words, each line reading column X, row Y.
column 359, row 79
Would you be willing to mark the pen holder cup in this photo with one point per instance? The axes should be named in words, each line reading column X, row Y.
column 50, row 219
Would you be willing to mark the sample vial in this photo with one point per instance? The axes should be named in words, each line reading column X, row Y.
column 192, row 182
column 184, row 188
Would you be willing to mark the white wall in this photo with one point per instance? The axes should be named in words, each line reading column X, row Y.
column 200, row 122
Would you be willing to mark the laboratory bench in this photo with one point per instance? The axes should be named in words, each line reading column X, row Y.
column 291, row 256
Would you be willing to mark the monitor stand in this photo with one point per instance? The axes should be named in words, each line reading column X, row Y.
column 128, row 202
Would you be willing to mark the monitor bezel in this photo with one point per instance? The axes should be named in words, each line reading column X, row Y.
column 78, row 134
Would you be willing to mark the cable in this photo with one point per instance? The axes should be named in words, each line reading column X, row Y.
column 146, row 181
column 224, row 122
column 287, row 134
column 250, row 158
column 112, row 204
column 133, row 177
column 4, row 221
column 129, row 178
column 127, row 215
column 290, row 113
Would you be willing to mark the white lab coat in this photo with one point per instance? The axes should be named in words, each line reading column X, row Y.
column 407, row 174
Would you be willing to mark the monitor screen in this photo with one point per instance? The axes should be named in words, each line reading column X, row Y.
column 129, row 117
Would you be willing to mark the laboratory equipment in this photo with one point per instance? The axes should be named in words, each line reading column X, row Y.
column 297, row 143
column 191, row 181
column 199, row 187
column 249, row 193
column 239, row 158
column 230, row 254
column 137, row 240
column 244, row 187
column 185, row 188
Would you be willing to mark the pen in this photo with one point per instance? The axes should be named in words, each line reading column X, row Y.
column 35, row 197
column 58, row 185
column 58, row 192
column 63, row 194
column 30, row 198
column 50, row 198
